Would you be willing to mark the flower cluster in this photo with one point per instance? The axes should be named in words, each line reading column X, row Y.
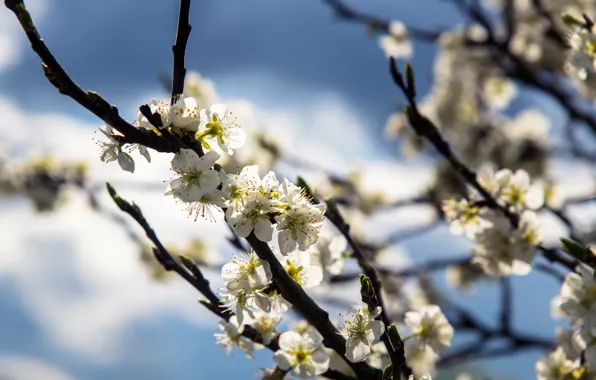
column 256, row 204
column 502, row 248
column 576, row 349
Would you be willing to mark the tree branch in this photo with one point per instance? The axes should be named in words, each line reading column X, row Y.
column 179, row 50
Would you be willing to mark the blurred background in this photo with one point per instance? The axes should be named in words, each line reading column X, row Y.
column 76, row 300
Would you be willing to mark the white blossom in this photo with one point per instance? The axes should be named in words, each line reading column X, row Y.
column 517, row 191
column 300, row 221
column 303, row 354
column 300, row 268
column 396, row 43
column 239, row 302
column 465, row 217
column 328, row 253
column 111, row 149
column 420, row 359
column 555, row 366
column 278, row 304
column 158, row 107
column 430, row 328
column 246, row 271
column 218, row 126
column 206, row 204
column 362, row 332
column 503, row 250
column 265, row 325
column 252, row 200
column 231, row 336
column 185, row 114
column 499, row 92
column 582, row 53
column 196, row 176
column 570, row 342
column 578, row 293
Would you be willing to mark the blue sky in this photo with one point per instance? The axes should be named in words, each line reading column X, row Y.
column 286, row 57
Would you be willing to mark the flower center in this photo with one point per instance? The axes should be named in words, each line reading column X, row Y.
column 294, row 271
column 301, row 355
column 192, row 178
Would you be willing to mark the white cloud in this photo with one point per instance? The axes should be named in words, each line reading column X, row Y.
column 25, row 368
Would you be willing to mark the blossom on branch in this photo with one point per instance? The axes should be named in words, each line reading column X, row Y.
column 302, row 354
column 361, row 333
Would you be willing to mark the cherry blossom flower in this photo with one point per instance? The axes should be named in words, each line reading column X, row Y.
column 219, row 126
column 302, row 354
column 299, row 267
column 430, row 328
column 196, row 176
column 231, row 336
column 362, row 332
column 300, row 222
column 328, row 253
column 111, row 150
column 396, row 44
column 246, row 271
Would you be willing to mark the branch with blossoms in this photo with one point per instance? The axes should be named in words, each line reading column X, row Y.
column 282, row 222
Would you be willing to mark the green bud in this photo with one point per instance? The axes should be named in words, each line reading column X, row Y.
column 217, row 167
column 112, row 191
column 394, row 336
column 188, row 263
column 572, row 22
column 574, row 249
column 366, row 288
column 388, row 372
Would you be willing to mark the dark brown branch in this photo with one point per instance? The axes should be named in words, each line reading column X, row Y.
column 179, row 50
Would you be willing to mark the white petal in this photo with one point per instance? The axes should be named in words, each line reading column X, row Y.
column 374, row 332
column 126, row 162
column 263, row 230
column 283, row 360
column 289, row 340
column 356, row 350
